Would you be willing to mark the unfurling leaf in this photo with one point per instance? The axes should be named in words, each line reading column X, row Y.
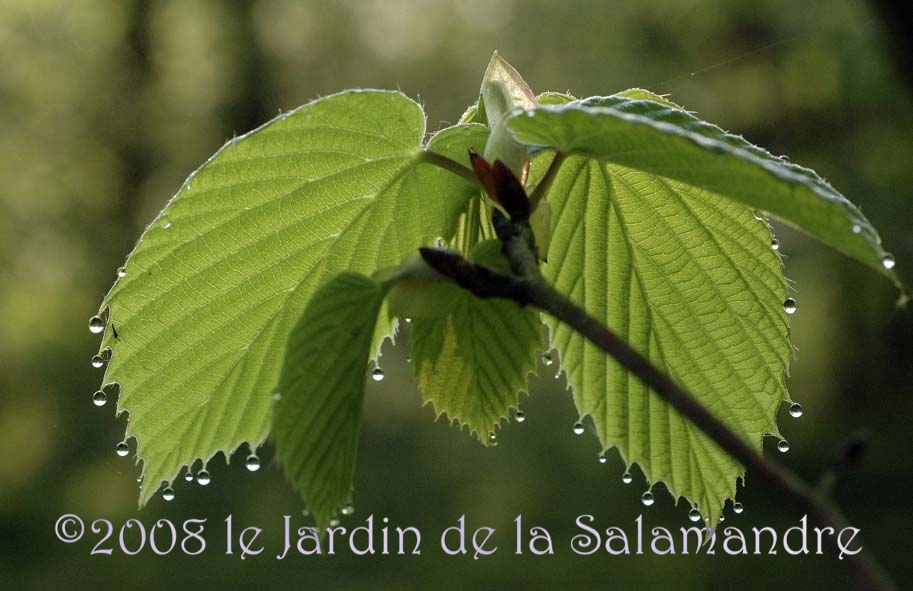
column 317, row 417
column 473, row 362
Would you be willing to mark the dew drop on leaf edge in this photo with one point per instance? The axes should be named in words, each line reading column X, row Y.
column 647, row 499
column 203, row 477
column 694, row 515
column 790, row 306
column 775, row 244
column 377, row 374
column 347, row 510
column 96, row 324
column 252, row 463
column 795, row 410
column 122, row 449
column 168, row 494
column 188, row 477
column 98, row 361
column 783, row 446
column 888, row 261
column 626, row 478
column 547, row 359
column 602, row 459
column 520, row 416
column 121, row 272
column 99, row 398
column 738, row 508
column 578, row 428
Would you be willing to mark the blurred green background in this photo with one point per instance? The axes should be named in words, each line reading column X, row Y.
column 105, row 107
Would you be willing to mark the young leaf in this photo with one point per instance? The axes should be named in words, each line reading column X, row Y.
column 688, row 278
column 504, row 91
column 658, row 138
column 217, row 281
column 317, row 418
column 473, row 362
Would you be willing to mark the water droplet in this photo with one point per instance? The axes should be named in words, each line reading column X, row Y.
column 122, row 449
column 790, row 306
column 408, row 320
column 252, row 462
column 166, row 223
column 520, row 416
column 168, row 494
column 738, row 508
column 139, row 479
column 347, row 510
column 96, row 324
column 121, row 272
column 647, row 499
column 408, row 358
column 602, row 459
column 377, row 374
column 98, row 361
column 757, row 215
column 203, row 477
column 547, row 359
column 492, row 437
column 857, row 228
column 99, row 398
column 695, row 514
column 722, row 518
column 795, row 410
column 626, row 478
column 188, row 477
column 783, row 446
column 888, row 261
column 334, row 522
column 775, row 244
column 441, row 243
column 578, row 428
column 558, row 376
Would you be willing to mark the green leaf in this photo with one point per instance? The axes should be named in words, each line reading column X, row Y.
column 317, row 418
column 659, row 138
column 472, row 362
column 688, row 278
column 217, row 281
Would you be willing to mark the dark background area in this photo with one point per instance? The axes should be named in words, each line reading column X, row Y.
column 105, row 107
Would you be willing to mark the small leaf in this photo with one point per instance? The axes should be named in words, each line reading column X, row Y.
column 503, row 92
column 664, row 140
column 473, row 362
column 317, row 418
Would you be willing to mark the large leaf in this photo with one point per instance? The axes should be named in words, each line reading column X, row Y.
column 317, row 418
column 217, row 281
column 688, row 278
column 653, row 232
column 655, row 136
column 473, row 359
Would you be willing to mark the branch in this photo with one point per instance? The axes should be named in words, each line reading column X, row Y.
column 526, row 286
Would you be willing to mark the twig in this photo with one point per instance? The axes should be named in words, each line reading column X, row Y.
column 526, row 286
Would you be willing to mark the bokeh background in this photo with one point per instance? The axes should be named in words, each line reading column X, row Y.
column 105, row 107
